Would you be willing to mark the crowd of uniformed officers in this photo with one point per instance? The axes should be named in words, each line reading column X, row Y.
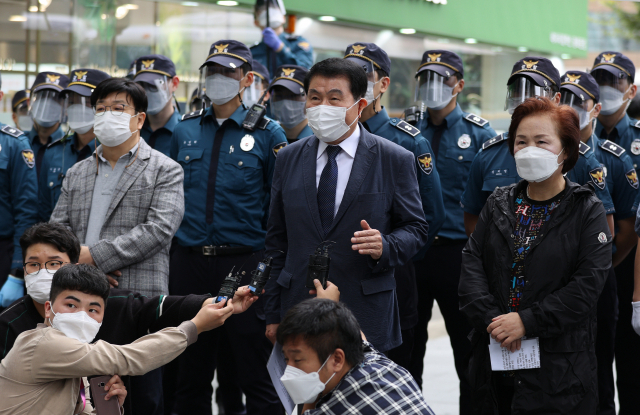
column 228, row 167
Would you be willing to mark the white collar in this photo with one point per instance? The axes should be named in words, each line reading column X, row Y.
column 349, row 145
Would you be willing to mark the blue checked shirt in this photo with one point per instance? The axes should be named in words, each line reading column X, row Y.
column 376, row 386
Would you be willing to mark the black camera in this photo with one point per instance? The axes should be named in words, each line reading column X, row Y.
column 260, row 276
column 229, row 286
column 412, row 115
column 319, row 265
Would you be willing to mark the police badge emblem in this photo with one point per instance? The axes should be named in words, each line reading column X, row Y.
column 464, row 141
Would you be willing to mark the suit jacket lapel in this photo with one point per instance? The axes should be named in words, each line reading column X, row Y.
column 361, row 164
column 88, row 183
column 309, row 177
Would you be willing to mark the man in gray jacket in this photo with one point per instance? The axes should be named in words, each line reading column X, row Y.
column 126, row 202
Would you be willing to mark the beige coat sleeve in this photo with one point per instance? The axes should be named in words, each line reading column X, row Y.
column 62, row 357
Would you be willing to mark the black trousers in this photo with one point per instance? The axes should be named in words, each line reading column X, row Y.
column 146, row 393
column 407, row 293
column 193, row 273
column 229, row 393
column 6, row 256
column 627, row 341
column 437, row 277
column 605, row 343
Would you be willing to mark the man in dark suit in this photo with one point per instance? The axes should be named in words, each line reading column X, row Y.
column 345, row 185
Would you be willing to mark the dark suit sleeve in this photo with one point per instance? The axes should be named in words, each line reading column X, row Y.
column 409, row 227
column 276, row 240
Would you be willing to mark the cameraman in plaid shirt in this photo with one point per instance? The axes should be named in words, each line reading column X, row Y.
column 332, row 369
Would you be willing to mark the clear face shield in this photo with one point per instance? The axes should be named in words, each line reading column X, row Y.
column 79, row 113
column 580, row 106
column 24, row 123
column 613, row 90
column 254, row 92
column 523, row 88
column 434, row 90
column 158, row 94
column 220, row 84
column 287, row 107
column 45, row 108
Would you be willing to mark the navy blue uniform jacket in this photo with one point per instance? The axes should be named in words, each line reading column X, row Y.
column 383, row 190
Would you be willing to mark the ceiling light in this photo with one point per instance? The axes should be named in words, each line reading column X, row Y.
column 121, row 12
column 189, row 3
column 33, row 9
column 470, row 41
column 227, row 3
column 523, row 49
column 17, row 18
column 407, row 31
column 565, row 56
column 103, row 17
column 131, row 6
column 327, row 19
column 44, row 3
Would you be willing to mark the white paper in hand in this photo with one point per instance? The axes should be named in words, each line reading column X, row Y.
column 528, row 357
column 276, row 366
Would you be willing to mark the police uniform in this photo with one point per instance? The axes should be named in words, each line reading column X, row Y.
column 292, row 78
column 20, row 104
column 56, row 82
column 148, row 69
column 625, row 134
column 63, row 152
column 18, row 196
column 454, row 142
column 227, row 178
column 296, row 51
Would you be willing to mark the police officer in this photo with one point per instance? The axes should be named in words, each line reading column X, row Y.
column 615, row 74
column 581, row 92
column 198, row 101
column 76, row 145
column 260, row 85
column 131, row 73
column 288, row 100
column 455, row 137
column 18, row 207
column 278, row 48
column 20, row 110
column 157, row 75
column 228, row 171
column 376, row 120
column 495, row 167
column 45, row 109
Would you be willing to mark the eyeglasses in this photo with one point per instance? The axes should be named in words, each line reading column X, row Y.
column 116, row 109
column 51, row 266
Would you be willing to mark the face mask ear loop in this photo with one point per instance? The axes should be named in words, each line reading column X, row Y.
column 240, row 95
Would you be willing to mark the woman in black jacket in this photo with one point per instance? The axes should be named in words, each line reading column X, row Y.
column 534, row 267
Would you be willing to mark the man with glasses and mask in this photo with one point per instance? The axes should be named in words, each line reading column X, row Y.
column 45, row 109
column 157, row 75
column 615, row 74
column 227, row 181
column 288, row 100
column 376, row 120
column 20, row 110
column 455, row 137
column 580, row 91
column 18, row 206
column 278, row 48
column 79, row 142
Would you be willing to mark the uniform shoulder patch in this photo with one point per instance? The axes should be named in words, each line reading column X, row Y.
column 425, row 162
column 406, row 127
column 612, row 147
column 632, row 178
column 193, row 114
column 635, row 124
column 584, row 148
column 597, row 176
column 14, row 132
column 276, row 149
column 476, row 119
column 493, row 141
column 262, row 124
column 29, row 158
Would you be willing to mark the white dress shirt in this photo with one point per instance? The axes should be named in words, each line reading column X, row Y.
column 344, row 159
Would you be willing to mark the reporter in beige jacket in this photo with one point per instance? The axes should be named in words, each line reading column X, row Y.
column 43, row 373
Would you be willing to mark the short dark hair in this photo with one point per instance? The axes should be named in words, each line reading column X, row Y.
column 134, row 91
column 634, row 108
column 325, row 326
column 54, row 234
column 336, row 67
column 566, row 121
column 80, row 277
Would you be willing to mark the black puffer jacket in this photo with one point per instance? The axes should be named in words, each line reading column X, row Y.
column 565, row 272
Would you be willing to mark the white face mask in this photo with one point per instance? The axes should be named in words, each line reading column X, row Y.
column 221, row 89
column 25, row 123
column 369, row 95
column 611, row 99
column 276, row 19
column 585, row 117
column 80, row 118
column 113, row 130
column 303, row 387
column 328, row 122
column 446, row 94
column 77, row 326
column 535, row 164
column 289, row 113
column 39, row 285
